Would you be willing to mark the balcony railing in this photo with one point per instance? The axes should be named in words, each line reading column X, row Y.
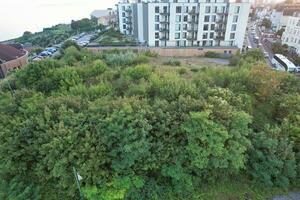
column 165, row 29
column 128, row 10
column 221, row 21
column 193, row 21
column 220, row 30
column 163, row 38
column 219, row 37
column 164, row 22
column 128, row 22
column 164, row 13
column 222, row 13
column 193, row 12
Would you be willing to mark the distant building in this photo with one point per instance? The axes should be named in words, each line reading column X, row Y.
column 11, row 57
column 105, row 17
column 291, row 35
column 185, row 23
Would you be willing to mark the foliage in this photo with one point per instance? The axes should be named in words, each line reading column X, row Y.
column 280, row 32
column 266, row 23
column 172, row 62
column 212, row 54
column 84, row 24
column 136, row 131
column 48, row 37
column 278, row 48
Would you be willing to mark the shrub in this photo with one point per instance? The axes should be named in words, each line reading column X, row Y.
column 234, row 60
column 125, row 59
column 182, row 71
column 212, row 54
column 150, row 54
column 172, row 62
column 139, row 72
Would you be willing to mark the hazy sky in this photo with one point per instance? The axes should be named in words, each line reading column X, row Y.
column 17, row 16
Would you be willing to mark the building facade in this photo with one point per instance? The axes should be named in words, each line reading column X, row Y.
column 185, row 23
column 105, row 17
column 11, row 58
column 291, row 35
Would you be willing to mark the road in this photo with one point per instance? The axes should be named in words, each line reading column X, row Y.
column 263, row 47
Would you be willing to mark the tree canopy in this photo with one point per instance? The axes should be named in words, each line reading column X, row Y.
column 138, row 131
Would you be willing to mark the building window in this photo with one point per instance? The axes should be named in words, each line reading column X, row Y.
column 184, row 35
column 178, row 18
column 123, row 8
column 235, row 19
column 237, row 10
column 205, row 27
column 157, row 43
column 156, row 27
column 213, row 18
column 204, row 43
column 206, row 18
column 156, row 9
column 207, row 9
column 123, row 14
column 204, row 36
column 184, row 43
column 124, row 26
column 177, row 35
column 233, row 27
column 212, row 27
column 165, row 9
column 156, row 35
column 232, row 35
column 184, row 27
column 177, row 27
column 178, row 9
column 124, row 20
column 178, row 43
column 185, row 18
column 231, row 43
column 156, row 18
column 211, row 35
column 210, row 43
column 186, row 9
column 207, row 1
column 215, row 9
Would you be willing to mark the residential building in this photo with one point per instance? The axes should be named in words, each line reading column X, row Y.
column 11, row 57
column 291, row 35
column 105, row 17
column 185, row 23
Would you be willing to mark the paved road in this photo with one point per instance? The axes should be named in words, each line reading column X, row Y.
column 291, row 196
column 254, row 45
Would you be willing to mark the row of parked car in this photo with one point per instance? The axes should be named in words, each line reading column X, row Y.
column 48, row 52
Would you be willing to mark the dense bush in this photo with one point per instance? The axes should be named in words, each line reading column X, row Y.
column 212, row 54
column 134, row 131
column 172, row 62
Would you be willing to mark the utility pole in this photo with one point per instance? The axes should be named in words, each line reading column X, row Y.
column 77, row 182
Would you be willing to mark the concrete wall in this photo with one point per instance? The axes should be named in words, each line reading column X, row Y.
column 172, row 52
column 13, row 64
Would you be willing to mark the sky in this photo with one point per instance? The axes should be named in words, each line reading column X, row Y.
column 17, row 16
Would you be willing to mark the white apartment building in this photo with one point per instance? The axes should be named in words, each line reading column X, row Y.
column 185, row 23
column 291, row 35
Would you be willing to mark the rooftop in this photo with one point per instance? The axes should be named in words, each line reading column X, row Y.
column 8, row 53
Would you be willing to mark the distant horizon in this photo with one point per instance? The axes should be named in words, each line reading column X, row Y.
column 34, row 15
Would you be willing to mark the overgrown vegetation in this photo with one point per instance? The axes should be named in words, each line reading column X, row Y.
column 141, row 132
column 48, row 37
column 111, row 37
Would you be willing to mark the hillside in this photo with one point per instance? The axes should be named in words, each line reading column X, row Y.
column 140, row 131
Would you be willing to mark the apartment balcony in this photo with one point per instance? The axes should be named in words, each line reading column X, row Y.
column 219, row 37
column 191, row 30
column 221, row 22
column 193, row 21
column 190, row 37
column 220, row 30
column 222, row 13
column 165, row 29
column 129, row 28
column 129, row 17
column 164, row 22
column 193, row 12
column 164, row 13
column 164, row 38
column 129, row 10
